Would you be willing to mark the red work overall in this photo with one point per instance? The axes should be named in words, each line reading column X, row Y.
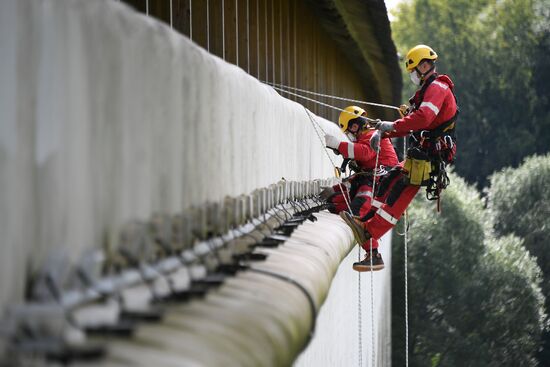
column 437, row 106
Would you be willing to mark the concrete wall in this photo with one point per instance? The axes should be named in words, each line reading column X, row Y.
column 107, row 115
column 280, row 41
column 336, row 342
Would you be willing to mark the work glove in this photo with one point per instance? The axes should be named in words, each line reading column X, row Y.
column 326, row 193
column 332, row 141
column 384, row 126
column 375, row 140
column 404, row 110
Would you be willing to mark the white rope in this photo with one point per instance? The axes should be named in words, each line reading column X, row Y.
column 335, row 97
column 405, row 241
column 171, row 18
column 372, row 273
column 359, row 305
column 313, row 123
column 223, row 29
column 147, row 7
column 236, row 32
column 191, row 20
column 208, row 25
column 318, row 102
column 258, row 38
column 266, row 51
column 247, row 37
column 281, row 43
column 359, row 311
column 295, row 76
column 273, row 39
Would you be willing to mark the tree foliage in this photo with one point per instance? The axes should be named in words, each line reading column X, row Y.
column 497, row 54
column 474, row 300
column 519, row 203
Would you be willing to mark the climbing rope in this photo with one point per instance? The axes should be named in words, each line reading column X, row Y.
column 317, row 127
column 319, row 102
column 405, row 245
column 332, row 96
column 371, row 271
column 359, row 307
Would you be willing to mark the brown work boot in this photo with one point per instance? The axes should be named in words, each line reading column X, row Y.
column 361, row 236
column 365, row 264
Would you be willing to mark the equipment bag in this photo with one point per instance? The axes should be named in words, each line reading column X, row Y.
column 418, row 167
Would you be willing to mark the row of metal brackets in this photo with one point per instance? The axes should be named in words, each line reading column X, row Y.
column 194, row 240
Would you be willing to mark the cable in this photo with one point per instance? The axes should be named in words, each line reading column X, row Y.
column 237, row 32
column 223, row 29
column 405, row 242
column 335, row 97
column 247, row 37
column 359, row 313
column 318, row 102
column 258, row 38
column 266, row 48
column 359, row 306
column 371, row 270
column 309, row 297
column 191, row 20
column 208, row 25
column 313, row 122
column 273, row 68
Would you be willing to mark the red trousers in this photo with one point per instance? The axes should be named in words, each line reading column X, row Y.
column 359, row 197
column 396, row 195
column 360, row 202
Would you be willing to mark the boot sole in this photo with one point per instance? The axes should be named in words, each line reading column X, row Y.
column 363, row 268
column 359, row 237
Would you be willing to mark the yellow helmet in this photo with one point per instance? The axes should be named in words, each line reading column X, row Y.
column 417, row 54
column 350, row 113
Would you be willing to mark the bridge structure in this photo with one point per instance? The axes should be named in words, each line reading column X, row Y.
column 158, row 197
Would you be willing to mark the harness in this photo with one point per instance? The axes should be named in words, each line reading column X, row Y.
column 430, row 151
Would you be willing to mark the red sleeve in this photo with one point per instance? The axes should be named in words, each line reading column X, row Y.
column 358, row 151
column 427, row 112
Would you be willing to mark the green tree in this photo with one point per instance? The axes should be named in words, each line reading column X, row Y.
column 497, row 54
column 473, row 300
column 519, row 203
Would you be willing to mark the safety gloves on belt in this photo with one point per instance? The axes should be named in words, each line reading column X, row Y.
column 332, row 141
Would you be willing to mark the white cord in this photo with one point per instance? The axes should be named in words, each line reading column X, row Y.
column 333, row 96
column 208, row 25
column 318, row 102
column 405, row 241
column 223, row 29
column 237, row 32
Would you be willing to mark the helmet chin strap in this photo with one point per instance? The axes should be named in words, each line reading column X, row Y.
column 423, row 75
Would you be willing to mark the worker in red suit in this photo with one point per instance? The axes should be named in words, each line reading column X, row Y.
column 358, row 188
column 430, row 120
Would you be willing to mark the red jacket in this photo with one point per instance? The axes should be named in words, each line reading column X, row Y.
column 364, row 155
column 438, row 106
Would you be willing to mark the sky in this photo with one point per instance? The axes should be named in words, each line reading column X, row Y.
column 391, row 4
